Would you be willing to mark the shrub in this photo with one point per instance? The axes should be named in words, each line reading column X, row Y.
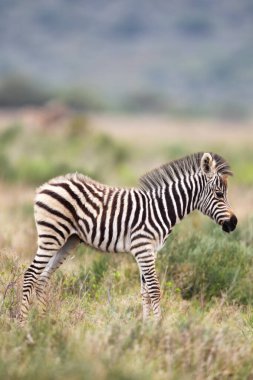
column 10, row 134
column 206, row 265
column 78, row 127
column 18, row 91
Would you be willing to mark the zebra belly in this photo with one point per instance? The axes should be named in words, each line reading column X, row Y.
column 120, row 247
column 103, row 241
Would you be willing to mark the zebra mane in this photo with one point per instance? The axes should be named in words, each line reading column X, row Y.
column 178, row 168
column 75, row 176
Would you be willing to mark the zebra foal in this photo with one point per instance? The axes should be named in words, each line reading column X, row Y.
column 74, row 208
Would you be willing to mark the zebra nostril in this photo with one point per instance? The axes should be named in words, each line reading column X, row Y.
column 230, row 225
column 233, row 220
column 226, row 226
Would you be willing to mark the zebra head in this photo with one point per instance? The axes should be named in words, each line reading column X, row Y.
column 213, row 199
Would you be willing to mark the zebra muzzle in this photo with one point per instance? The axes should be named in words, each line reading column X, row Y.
column 230, row 225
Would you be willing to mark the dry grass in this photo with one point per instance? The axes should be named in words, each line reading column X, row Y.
column 155, row 129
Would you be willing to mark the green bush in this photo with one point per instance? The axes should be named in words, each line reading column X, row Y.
column 115, row 152
column 210, row 264
column 39, row 170
column 78, row 127
column 10, row 134
column 6, row 170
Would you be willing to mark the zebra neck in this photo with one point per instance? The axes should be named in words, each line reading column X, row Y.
column 177, row 199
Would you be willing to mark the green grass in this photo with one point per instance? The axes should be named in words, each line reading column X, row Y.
column 35, row 157
column 93, row 328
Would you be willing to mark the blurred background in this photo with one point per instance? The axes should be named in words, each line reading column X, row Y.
column 176, row 57
column 115, row 88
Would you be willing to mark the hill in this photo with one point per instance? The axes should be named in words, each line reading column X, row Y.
column 137, row 53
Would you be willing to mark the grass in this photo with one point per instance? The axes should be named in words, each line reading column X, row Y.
column 32, row 157
column 93, row 328
column 187, row 349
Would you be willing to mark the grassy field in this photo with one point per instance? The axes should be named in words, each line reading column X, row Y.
column 93, row 329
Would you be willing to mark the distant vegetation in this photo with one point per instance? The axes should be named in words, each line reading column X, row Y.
column 182, row 58
column 18, row 91
column 33, row 156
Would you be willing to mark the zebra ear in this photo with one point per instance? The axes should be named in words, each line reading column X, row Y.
column 207, row 165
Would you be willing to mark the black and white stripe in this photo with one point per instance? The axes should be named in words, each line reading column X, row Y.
column 74, row 208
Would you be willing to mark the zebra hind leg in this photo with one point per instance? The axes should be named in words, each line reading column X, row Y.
column 53, row 264
column 31, row 276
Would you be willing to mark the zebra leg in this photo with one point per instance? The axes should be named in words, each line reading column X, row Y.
column 31, row 276
column 53, row 264
column 146, row 301
column 146, row 262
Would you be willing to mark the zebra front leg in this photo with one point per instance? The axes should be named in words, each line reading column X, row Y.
column 146, row 301
column 146, row 262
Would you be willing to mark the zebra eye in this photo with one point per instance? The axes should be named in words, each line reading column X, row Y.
column 219, row 194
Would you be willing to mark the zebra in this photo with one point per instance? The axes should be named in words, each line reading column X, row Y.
column 75, row 209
